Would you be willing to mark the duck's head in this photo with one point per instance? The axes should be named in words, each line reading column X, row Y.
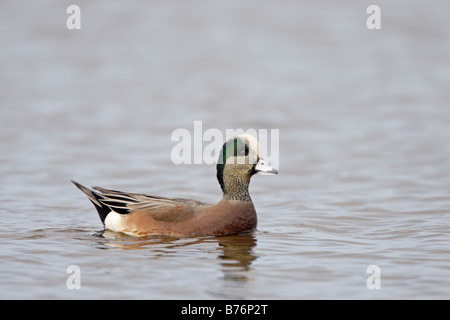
column 239, row 160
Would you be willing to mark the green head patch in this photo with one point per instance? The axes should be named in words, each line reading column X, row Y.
column 234, row 148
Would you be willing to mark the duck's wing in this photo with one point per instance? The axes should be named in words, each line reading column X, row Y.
column 159, row 208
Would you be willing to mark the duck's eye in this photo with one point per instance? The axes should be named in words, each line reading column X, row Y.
column 246, row 150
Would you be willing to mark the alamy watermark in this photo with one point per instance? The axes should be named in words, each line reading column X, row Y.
column 203, row 147
column 374, row 280
column 73, row 22
column 373, row 22
column 74, row 280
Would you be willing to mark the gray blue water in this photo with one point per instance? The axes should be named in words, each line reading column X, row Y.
column 364, row 154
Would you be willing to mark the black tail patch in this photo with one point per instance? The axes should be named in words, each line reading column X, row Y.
column 95, row 198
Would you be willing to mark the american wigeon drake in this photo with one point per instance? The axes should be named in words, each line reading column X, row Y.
column 141, row 215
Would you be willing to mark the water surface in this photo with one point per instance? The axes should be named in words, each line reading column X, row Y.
column 364, row 153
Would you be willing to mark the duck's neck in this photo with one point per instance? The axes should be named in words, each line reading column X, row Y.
column 234, row 187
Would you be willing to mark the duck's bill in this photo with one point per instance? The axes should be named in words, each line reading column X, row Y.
column 262, row 167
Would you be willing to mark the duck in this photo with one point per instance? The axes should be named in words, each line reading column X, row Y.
column 140, row 215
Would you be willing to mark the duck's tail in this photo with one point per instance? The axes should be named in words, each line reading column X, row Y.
column 94, row 197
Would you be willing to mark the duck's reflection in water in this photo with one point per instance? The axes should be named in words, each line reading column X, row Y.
column 235, row 252
column 237, row 255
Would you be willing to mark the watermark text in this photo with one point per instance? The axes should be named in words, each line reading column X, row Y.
column 74, row 280
column 191, row 148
